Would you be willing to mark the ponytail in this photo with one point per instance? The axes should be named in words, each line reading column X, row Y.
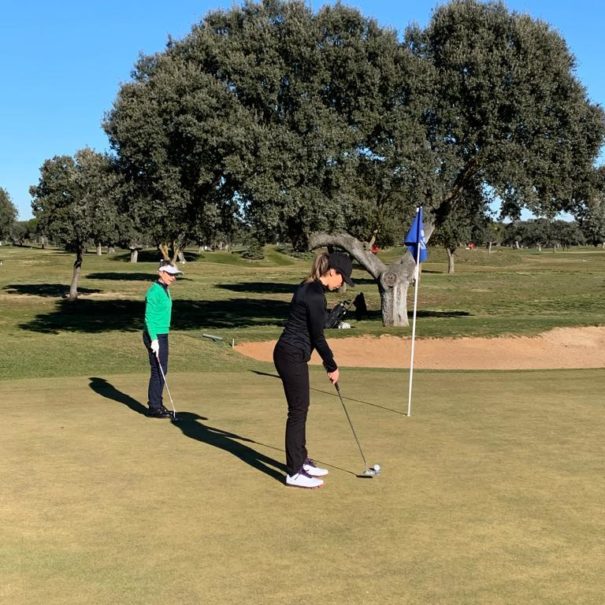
column 321, row 266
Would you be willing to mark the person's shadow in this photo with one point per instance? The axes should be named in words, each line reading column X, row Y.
column 107, row 390
column 191, row 426
column 189, row 423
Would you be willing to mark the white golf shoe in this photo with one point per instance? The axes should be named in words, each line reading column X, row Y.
column 303, row 479
column 312, row 469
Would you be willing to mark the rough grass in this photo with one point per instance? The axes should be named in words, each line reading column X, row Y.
column 491, row 493
column 507, row 292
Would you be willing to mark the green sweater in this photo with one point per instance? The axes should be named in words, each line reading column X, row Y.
column 158, row 310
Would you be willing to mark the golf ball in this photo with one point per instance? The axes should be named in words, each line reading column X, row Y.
column 377, row 467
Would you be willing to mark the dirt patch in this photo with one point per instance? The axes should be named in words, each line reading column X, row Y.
column 558, row 348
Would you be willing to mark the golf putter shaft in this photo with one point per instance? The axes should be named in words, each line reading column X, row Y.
column 166, row 385
column 344, row 407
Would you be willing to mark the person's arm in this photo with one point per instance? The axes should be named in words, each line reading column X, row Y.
column 152, row 309
column 316, row 316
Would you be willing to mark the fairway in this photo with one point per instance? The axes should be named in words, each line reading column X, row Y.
column 491, row 493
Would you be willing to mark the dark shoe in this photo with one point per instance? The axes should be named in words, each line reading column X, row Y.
column 172, row 415
column 160, row 412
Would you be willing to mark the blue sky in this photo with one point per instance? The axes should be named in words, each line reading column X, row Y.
column 62, row 64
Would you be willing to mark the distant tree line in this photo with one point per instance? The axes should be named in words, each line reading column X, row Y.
column 274, row 123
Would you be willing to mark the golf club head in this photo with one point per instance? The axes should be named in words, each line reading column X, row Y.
column 370, row 473
column 174, row 418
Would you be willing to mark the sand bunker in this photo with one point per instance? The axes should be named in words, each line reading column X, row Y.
column 558, row 348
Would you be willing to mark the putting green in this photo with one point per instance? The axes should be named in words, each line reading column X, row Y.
column 492, row 492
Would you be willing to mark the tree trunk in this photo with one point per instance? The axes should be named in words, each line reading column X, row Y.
column 393, row 287
column 451, row 265
column 99, row 249
column 134, row 255
column 489, row 247
column 73, row 288
column 163, row 248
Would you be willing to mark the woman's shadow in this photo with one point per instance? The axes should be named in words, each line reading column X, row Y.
column 191, row 426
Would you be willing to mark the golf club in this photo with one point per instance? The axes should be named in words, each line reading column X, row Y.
column 370, row 471
column 174, row 417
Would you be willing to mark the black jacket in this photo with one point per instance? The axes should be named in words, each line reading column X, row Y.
column 304, row 329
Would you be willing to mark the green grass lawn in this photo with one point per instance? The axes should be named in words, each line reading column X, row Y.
column 491, row 493
column 507, row 292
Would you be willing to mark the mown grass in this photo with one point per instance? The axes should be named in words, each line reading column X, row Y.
column 490, row 494
column 506, row 292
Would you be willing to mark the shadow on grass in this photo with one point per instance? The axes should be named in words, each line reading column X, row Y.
column 123, row 276
column 49, row 290
column 191, row 426
column 374, row 405
column 260, row 287
column 107, row 390
column 376, row 314
column 334, row 394
column 95, row 316
column 150, row 256
column 126, row 276
column 189, row 423
column 429, row 313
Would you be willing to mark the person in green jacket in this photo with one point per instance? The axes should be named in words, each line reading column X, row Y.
column 158, row 313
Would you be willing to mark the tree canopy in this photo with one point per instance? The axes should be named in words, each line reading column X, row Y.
column 8, row 214
column 287, row 122
column 76, row 202
column 507, row 110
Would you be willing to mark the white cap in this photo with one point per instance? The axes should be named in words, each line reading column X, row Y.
column 170, row 269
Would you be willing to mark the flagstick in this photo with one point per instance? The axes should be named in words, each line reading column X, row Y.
column 414, row 330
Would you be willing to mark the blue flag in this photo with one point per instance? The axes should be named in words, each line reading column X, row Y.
column 415, row 240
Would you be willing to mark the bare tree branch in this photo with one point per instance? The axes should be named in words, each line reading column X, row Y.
column 373, row 265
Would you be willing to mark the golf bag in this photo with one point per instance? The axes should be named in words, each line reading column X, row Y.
column 337, row 314
column 361, row 309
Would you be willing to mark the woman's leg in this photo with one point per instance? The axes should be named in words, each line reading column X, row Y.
column 294, row 372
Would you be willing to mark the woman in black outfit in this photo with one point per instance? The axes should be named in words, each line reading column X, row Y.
column 304, row 332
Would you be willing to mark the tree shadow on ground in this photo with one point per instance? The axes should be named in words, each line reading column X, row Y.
column 260, row 287
column 123, row 276
column 191, row 426
column 46, row 290
column 96, row 316
column 151, row 256
column 376, row 314
column 429, row 313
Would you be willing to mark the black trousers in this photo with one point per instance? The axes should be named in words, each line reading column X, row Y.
column 156, row 382
column 293, row 370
